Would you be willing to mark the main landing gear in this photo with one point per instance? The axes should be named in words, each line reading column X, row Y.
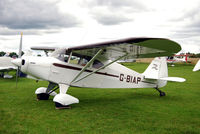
column 43, row 93
column 161, row 92
column 60, row 106
column 62, row 100
column 42, row 96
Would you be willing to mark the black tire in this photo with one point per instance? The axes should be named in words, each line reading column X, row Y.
column 42, row 96
column 60, row 106
column 162, row 94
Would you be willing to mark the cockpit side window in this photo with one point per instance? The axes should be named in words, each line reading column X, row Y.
column 63, row 57
column 78, row 60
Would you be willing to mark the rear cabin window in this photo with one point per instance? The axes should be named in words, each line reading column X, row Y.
column 97, row 64
column 74, row 60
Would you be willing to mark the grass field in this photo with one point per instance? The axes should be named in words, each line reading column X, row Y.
column 107, row 111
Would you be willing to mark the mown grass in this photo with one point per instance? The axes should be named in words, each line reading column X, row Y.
column 112, row 111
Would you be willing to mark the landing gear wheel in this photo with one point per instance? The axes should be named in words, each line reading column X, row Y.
column 42, row 96
column 162, row 93
column 60, row 106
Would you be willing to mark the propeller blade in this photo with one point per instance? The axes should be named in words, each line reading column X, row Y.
column 20, row 46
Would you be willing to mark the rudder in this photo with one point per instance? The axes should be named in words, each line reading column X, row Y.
column 156, row 70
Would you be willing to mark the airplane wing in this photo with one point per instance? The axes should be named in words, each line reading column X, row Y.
column 133, row 47
column 5, row 69
column 44, row 48
column 6, row 65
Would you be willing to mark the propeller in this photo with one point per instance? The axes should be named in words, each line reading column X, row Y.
column 18, row 61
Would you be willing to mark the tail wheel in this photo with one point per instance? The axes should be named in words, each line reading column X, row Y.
column 162, row 93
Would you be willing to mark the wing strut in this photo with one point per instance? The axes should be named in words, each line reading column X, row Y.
column 70, row 55
column 87, row 65
column 102, row 67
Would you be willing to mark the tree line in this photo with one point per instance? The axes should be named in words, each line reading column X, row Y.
column 192, row 55
column 11, row 54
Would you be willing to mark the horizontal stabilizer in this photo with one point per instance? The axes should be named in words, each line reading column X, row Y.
column 174, row 79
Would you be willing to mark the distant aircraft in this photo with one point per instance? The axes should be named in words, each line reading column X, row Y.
column 94, row 66
column 197, row 66
column 176, row 58
column 6, row 66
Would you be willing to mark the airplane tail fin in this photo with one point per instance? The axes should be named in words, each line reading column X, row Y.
column 158, row 71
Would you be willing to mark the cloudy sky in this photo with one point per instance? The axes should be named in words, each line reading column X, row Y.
column 65, row 23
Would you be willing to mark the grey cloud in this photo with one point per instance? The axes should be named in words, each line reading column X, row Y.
column 186, row 32
column 4, row 39
column 191, row 17
column 47, row 43
column 111, row 19
column 187, row 24
column 183, row 34
column 32, row 14
column 113, row 12
column 195, row 22
column 9, row 32
column 133, row 4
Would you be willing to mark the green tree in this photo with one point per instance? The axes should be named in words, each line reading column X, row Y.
column 2, row 53
column 13, row 54
column 198, row 55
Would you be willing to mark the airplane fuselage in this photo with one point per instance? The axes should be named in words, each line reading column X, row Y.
column 57, row 71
